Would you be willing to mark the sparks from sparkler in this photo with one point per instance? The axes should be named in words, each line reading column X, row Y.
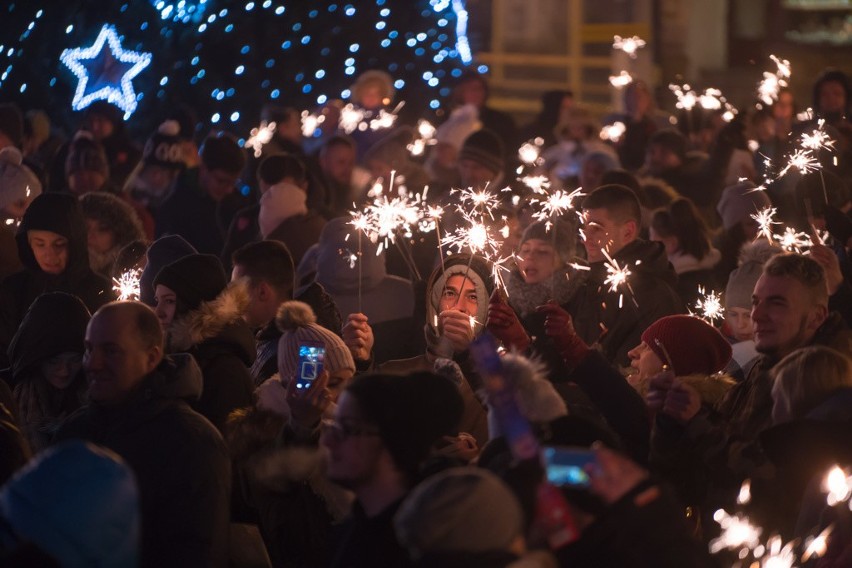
column 621, row 80
column 765, row 218
column 310, row 123
column 260, row 136
column 792, row 240
column 709, row 306
column 613, row 132
column 555, row 205
column 426, row 137
column 768, row 88
column 817, row 139
column 737, row 532
column 629, row 45
column 838, row 486
column 530, row 151
column 801, row 160
column 686, row 97
column 616, row 277
column 126, row 286
column 539, row 184
column 350, row 118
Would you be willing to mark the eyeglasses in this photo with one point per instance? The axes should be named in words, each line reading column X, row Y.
column 341, row 431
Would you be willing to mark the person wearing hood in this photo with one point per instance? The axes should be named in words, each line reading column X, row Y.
column 736, row 207
column 683, row 233
column 46, row 364
column 77, row 505
column 138, row 409
column 202, row 316
column 52, row 246
column 18, row 187
column 614, row 318
column 284, row 216
column 366, row 293
column 111, row 224
column 456, row 309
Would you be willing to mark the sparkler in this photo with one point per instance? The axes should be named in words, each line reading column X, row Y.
column 737, row 533
column 801, row 160
column 126, row 286
column 426, row 137
column 686, row 97
column 768, row 88
column 350, row 118
column 621, row 80
column 838, row 486
column 613, row 132
column 260, row 136
column 793, row 241
column 765, row 220
column 617, row 277
column 310, row 123
column 629, row 45
column 709, row 306
column 530, row 151
column 555, row 205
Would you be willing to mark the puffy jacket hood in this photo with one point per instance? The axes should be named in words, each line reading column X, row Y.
column 38, row 338
column 177, row 376
column 218, row 322
column 479, row 272
column 59, row 213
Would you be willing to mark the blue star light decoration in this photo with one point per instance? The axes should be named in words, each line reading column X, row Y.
column 105, row 74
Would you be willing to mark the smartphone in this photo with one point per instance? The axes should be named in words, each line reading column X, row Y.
column 568, row 466
column 309, row 367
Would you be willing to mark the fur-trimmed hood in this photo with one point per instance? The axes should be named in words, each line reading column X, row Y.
column 219, row 319
column 711, row 388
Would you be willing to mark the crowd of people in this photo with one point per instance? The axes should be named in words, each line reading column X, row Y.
column 181, row 423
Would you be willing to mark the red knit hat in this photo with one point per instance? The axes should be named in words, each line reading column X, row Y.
column 689, row 344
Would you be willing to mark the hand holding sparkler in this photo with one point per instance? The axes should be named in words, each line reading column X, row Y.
column 503, row 322
column 559, row 327
column 358, row 337
column 826, row 258
column 457, row 327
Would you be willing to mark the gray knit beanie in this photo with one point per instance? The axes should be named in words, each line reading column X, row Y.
column 298, row 323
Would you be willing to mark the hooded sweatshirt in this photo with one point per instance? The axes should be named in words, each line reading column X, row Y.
column 60, row 214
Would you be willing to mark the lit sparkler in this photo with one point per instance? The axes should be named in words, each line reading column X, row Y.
column 555, row 205
column 616, row 277
column 768, row 88
column 838, row 486
column 818, row 139
column 260, row 136
column 793, row 241
column 817, row 546
column 801, row 160
column 629, row 45
column 621, row 80
column 737, row 533
column 613, row 132
column 384, row 119
column 709, row 306
column 126, row 286
column 539, row 184
column 310, row 123
column 765, row 219
column 530, row 151
column 350, row 118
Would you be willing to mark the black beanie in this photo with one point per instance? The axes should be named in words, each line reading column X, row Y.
column 222, row 152
column 412, row 413
column 484, row 147
column 194, row 279
column 12, row 123
column 562, row 231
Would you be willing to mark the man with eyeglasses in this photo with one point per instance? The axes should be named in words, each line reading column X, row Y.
column 384, row 428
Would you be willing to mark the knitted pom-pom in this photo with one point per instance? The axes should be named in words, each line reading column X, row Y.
column 292, row 315
column 11, row 155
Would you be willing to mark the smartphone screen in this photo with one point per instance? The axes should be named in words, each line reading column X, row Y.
column 567, row 466
column 309, row 367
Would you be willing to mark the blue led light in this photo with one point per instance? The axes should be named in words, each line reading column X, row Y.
column 194, row 60
column 116, row 87
column 349, row 71
column 229, row 28
column 398, row 84
column 314, row 13
column 230, row 92
column 354, row 48
column 411, row 42
column 306, row 40
column 321, row 100
column 269, row 63
column 239, row 70
column 274, row 94
column 319, row 74
column 349, row 61
column 245, row 49
column 350, row 11
column 286, row 44
column 279, row 10
column 249, row 6
column 345, row 94
column 482, row 69
column 385, row 43
column 215, row 118
column 307, row 88
column 23, row 87
column 384, row 12
column 235, row 116
column 434, row 103
column 163, row 81
column 380, row 25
